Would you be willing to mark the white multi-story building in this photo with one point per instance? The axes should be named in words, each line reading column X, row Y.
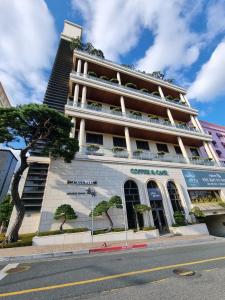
column 139, row 138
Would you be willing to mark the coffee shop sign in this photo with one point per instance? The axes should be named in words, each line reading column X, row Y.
column 149, row 172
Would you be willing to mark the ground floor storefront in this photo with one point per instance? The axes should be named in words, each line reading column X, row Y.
column 84, row 183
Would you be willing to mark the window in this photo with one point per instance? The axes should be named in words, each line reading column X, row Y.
column 194, row 152
column 143, row 145
column 174, row 197
column 162, row 148
column 218, row 153
column 119, row 142
column 177, row 150
column 92, row 138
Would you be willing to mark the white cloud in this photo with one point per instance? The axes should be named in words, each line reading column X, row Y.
column 116, row 28
column 26, row 47
column 215, row 18
column 210, row 81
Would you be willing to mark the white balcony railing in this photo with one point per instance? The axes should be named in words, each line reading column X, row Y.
column 151, row 95
column 132, row 116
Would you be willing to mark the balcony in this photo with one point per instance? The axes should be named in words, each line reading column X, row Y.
column 202, row 161
column 147, row 155
column 140, row 92
column 132, row 116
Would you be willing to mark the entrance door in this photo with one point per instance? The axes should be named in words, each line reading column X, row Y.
column 158, row 213
column 132, row 198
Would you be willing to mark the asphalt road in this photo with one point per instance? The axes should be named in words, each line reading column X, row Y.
column 127, row 275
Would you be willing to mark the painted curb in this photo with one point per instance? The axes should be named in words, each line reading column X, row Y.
column 118, row 248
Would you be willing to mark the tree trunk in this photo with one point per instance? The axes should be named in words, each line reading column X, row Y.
column 61, row 226
column 110, row 221
column 13, row 234
column 3, row 227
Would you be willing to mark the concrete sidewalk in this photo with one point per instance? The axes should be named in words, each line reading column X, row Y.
column 32, row 252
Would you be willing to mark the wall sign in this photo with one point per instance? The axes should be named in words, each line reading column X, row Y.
column 76, row 193
column 204, row 179
column 82, row 182
column 149, row 172
column 154, row 194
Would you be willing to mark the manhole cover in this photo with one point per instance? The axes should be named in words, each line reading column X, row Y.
column 18, row 269
column 183, row 272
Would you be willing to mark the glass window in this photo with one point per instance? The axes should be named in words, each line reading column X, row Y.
column 194, row 151
column 203, row 196
column 92, row 138
column 177, row 150
column 119, row 142
column 143, row 145
column 162, row 148
column 174, row 197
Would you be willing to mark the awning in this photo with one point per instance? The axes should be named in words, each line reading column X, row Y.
column 210, row 208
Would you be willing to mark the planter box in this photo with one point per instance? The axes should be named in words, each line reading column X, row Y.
column 62, row 239
column 85, row 237
column 196, row 229
column 120, row 236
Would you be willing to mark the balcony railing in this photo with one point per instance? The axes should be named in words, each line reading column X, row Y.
column 202, row 161
column 147, row 155
column 150, row 95
column 132, row 116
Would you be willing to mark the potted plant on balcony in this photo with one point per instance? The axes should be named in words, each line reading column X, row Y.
column 114, row 80
column 136, row 114
column 138, row 153
column 156, row 93
column 103, row 77
column 169, row 97
column 131, row 85
column 195, row 157
column 92, row 73
column 116, row 110
column 161, row 154
column 95, row 105
column 144, row 90
column 92, row 148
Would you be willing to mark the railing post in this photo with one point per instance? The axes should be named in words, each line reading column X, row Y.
column 128, row 142
column 183, row 150
column 82, row 135
column 76, row 95
column 73, row 129
column 83, row 98
column 122, row 103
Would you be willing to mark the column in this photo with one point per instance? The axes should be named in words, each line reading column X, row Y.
column 160, row 92
column 79, row 66
column 183, row 150
column 82, row 135
column 122, row 103
column 193, row 121
column 170, row 117
column 118, row 77
column 186, row 100
column 76, row 94
column 128, row 142
column 214, row 154
column 83, row 98
column 73, row 129
column 85, row 68
column 209, row 153
column 199, row 125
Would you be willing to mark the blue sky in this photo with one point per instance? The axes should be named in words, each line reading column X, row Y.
column 183, row 38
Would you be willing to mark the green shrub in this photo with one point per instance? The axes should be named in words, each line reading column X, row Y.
column 179, row 218
column 54, row 232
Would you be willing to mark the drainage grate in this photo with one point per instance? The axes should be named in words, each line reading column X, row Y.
column 20, row 268
column 184, row 272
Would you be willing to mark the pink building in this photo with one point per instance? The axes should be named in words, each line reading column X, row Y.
column 218, row 135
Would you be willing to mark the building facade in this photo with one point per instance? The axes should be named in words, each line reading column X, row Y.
column 4, row 101
column 139, row 138
column 8, row 163
column 217, row 133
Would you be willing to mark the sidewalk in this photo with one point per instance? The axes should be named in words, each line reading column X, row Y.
column 32, row 252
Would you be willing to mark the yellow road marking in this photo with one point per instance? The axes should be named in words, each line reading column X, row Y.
column 99, row 279
column 209, row 270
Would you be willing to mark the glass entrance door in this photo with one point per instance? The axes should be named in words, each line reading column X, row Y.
column 156, row 202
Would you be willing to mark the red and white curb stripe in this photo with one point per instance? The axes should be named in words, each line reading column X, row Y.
column 118, row 248
column 3, row 272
